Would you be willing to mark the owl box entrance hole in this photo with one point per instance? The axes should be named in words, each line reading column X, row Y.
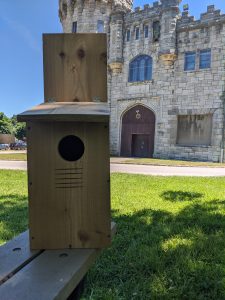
column 71, row 148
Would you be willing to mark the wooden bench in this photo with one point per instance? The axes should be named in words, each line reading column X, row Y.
column 42, row 274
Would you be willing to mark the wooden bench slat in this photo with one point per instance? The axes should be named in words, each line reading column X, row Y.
column 52, row 275
column 14, row 255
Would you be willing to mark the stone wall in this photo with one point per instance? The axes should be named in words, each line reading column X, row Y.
column 199, row 92
column 177, row 92
column 172, row 91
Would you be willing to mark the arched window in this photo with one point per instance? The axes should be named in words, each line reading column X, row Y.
column 140, row 69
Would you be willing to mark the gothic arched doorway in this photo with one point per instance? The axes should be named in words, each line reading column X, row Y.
column 138, row 132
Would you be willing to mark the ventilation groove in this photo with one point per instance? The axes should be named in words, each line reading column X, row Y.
column 69, row 178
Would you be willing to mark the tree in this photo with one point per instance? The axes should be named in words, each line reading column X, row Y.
column 20, row 131
column 5, row 124
column 14, row 120
column 11, row 126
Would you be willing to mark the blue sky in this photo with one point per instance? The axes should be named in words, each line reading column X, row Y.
column 22, row 23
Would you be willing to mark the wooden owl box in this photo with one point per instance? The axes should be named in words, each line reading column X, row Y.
column 68, row 160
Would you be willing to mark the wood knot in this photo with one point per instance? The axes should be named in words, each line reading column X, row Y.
column 76, row 100
column 62, row 54
column 83, row 236
column 81, row 53
column 73, row 69
column 98, row 232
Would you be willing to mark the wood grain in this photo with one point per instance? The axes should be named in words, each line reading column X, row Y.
column 75, row 67
column 69, row 202
column 54, row 274
column 14, row 255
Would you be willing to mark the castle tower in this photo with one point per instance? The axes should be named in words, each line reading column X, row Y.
column 170, row 13
column 116, row 41
column 89, row 16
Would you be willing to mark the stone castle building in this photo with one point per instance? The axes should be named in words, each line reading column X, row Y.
column 166, row 76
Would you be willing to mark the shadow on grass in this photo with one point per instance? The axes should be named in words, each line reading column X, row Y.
column 159, row 255
column 179, row 196
column 13, row 215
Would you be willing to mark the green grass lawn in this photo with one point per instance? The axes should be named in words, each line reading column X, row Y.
column 13, row 156
column 13, row 204
column 170, row 242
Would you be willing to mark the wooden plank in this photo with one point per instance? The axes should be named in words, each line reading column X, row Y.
column 69, row 201
column 52, row 275
column 64, row 111
column 14, row 255
column 75, row 67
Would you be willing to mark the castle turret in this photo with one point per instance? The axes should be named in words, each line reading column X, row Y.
column 116, row 41
column 170, row 13
column 93, row 16
column 89, row 15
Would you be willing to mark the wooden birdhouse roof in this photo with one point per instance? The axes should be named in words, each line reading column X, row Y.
column 67, row 111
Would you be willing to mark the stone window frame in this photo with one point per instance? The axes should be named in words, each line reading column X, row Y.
column 137, row 32
column 209, row 144
column 209, row 61
column 185, row 112
column 186, row 56
column 146, row 33
column 198, row 60
column 100, row 26
column 154, row 38
column 137, row 60
column 74, row 27
column 128, row 35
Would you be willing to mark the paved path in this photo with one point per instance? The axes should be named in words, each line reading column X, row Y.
column 13, row 165
column 139, row 169
column 12, row 151
column 167, row 171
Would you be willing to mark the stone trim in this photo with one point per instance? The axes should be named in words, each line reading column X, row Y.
column 140, row 82
column 116, row 67
column 168, row 59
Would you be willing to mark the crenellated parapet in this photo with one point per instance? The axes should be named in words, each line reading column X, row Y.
column 211, row 17
column 148, row 12
column 210, row 14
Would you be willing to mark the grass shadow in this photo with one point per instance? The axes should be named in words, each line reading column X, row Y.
column 179, row 196
column 159, row 255
column 13, row 215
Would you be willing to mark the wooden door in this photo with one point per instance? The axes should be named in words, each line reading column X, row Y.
column 140, row 145
column 138, row 123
